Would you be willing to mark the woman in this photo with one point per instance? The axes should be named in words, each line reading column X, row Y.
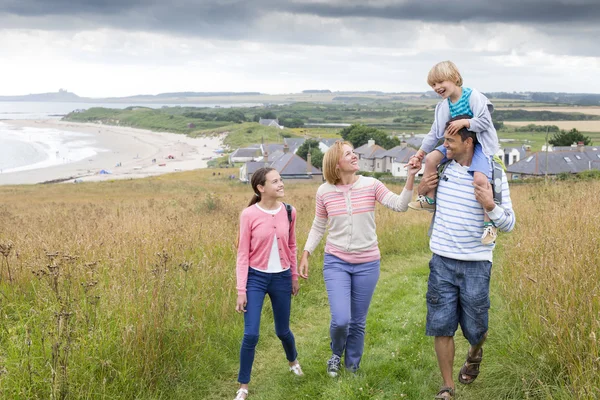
column 345, row 204
column 266, row 264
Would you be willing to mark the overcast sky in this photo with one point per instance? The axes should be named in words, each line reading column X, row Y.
column 101, row 48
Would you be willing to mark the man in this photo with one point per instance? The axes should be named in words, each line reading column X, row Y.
column 460, row 268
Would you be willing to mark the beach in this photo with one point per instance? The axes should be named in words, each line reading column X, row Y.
column 120, row 152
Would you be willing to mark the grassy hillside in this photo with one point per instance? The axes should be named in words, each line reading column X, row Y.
column 125, row 289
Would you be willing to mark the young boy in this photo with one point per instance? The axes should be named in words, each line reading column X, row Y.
column 445, row 80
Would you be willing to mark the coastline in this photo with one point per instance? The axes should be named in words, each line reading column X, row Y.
column 129, row 154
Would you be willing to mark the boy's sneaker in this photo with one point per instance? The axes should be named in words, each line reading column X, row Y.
column 490, row 233
column 423, row 203
column 333, row 365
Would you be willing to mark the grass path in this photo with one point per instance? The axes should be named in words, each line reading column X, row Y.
column 399, row 361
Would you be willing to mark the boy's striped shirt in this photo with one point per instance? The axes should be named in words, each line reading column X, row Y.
column 461, row 107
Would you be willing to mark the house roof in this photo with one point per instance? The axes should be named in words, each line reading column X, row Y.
column 521, row 150
column 572, row 148
column 247, row 152
column 294, row 143
column 330, row 141
column 252, row 166
column 268, row 122
column 414, row 142
column 290, row 164
column 272, row 147
column 400, row 154
column 557, row 162
column 374, row 151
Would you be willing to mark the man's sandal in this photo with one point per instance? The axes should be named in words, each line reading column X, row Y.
column 472, row 370
column 445, row 393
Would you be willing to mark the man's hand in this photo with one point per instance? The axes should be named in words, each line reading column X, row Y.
column 485, row 196
column 428, row 183
column 455, row 126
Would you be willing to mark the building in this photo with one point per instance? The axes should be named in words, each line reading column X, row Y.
column 289, row 166
column 511, row 155
column 572, row 161
column 270, row 122
column 246, row 154
column 397, row 158
column 370, row 157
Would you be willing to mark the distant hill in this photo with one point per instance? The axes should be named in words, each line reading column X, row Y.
column 66, row 96
column 61, row 96
column 322, row 95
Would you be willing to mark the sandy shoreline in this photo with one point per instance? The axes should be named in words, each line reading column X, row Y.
column 134, row 149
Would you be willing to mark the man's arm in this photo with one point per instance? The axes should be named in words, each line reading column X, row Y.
column 502, row 215
column 428, row 183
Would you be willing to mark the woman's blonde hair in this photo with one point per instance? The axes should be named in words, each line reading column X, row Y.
column 444, row 71
column 331, row 172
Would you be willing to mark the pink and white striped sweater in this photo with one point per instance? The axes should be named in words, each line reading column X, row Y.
column 349, row 215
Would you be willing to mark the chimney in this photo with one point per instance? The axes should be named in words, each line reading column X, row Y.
column 370, row 143
column 527, row 150
column 403, row 144
column 308, row 165
column 580, row 147
column 412, row 134
column 286, row 148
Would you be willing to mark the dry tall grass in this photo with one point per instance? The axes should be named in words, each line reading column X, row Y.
column 551, row 281
column 126, row 289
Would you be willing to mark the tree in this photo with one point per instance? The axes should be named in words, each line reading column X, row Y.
column 291, row 122
column 265, row 115
column 564, row 138
column 360, row 134
column 316, row 155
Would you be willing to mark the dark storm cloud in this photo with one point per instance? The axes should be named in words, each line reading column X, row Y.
column 190, row 14
column 261, row 19
column 507, row 11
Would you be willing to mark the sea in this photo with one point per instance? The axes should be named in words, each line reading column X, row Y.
column 28, row 148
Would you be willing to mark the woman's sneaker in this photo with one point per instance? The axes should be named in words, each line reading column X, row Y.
column 333, row 365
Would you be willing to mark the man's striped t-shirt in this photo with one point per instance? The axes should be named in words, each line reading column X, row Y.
column 458, row 221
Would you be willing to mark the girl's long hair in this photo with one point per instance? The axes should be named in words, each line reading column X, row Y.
column 258, row 178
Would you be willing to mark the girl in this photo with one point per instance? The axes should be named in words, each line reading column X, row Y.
column 266, row 264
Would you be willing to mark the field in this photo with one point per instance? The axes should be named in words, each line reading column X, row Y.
column 582, row 126
column 573, row 109
column 125, row 290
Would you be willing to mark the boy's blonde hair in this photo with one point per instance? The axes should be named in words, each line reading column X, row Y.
column 444, row 71
column 331, row 158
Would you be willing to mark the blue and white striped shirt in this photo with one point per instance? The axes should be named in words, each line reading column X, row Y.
column 461, row 107
column 458, row 221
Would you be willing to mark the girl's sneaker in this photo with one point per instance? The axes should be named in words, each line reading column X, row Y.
column 241, row 394
column 296, row 369
column 333, row 365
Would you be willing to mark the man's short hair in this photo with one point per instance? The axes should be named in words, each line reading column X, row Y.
column 464, row 132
